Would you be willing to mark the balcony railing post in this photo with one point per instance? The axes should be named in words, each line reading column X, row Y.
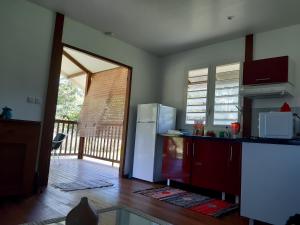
column 81, row 148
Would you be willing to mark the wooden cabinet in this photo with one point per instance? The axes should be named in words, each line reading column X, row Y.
column 211, row 164
column 177, row 159
column 18, row 154
column 233, row 169
column 266, row 71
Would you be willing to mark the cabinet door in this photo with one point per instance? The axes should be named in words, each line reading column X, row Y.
column 233, row 169
column 177, row 159
column 264, row 71
column 209, row 164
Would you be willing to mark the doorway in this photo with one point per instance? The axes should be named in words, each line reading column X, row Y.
column 91, row 111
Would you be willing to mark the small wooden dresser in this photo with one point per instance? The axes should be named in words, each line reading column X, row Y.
column 18, row 154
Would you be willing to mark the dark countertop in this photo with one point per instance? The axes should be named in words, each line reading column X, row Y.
column 295, row 141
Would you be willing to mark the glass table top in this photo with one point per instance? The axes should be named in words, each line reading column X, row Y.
column 118, row 215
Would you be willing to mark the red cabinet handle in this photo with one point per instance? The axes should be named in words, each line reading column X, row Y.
column 263, row 79
column 193, row 150
column 187, row 149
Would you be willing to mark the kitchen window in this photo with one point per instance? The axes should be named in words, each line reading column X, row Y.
column 197, row 95
column 213, row 98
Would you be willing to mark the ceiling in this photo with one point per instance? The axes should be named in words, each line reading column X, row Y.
column 76, row 75
column 168, row 26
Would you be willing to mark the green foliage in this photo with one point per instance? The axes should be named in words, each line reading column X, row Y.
column 69, row 102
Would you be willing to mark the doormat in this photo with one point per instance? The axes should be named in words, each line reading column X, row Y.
column 195, row 202
column 81, row 185
column 160, row 193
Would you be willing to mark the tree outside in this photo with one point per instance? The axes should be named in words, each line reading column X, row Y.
column 70, row 100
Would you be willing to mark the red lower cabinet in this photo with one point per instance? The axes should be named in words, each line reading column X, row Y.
column 210, row 164
column 177, row 159
column 233, row 169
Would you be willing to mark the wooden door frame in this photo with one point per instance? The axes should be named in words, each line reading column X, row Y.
column 127, row 101
column 51, row 101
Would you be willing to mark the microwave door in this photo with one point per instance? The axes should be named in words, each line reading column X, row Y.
column 278, row 126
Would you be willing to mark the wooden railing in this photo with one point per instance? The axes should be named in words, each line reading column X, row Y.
column 106, row 146
column 70, row 145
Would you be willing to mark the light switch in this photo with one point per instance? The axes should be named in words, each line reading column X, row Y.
column 30, row 99
column 38, row 100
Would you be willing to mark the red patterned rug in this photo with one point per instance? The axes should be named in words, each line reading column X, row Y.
column 195, row 202
column 215, row 208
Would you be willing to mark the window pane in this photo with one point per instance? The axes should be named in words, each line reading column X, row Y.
column 196, row 95
column 227, row 91
column 225, row 108
column 222, row 122
column 195, row 116
column 198, row 72
column 224, row 115
column 226, row 94
column 191, row 109
column 227, row 83
column 197, row 79
column 227, row 100
column 200, row 101
column 197, row 87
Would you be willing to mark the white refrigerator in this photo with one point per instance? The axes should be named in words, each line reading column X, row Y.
column 152, row 119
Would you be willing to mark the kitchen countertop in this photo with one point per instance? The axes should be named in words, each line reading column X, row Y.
column 295, row 141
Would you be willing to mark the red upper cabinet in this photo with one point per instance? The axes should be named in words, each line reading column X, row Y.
column 177, row 159
column 267, row 71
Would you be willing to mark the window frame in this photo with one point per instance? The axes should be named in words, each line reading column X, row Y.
column 186, row 73
column 210, row 99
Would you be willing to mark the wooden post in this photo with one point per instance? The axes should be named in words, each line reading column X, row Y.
column 247, row 102
column 81, row 140
column 50, row 103
column 81, row 148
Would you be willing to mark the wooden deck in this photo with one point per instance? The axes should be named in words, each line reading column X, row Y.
column 55, row 203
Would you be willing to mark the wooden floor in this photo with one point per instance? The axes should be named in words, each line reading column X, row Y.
column 55, row 203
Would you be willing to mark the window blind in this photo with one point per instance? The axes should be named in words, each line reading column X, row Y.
column 196, row 95
column 104, row 103
column 226, row 94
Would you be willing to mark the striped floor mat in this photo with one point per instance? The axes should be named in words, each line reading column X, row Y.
column 195, row 202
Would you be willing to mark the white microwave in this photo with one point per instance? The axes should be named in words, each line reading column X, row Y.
column 276, row 125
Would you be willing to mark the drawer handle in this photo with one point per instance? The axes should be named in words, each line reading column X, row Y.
column 187, row 149
column 263, row 79
column 230, row 153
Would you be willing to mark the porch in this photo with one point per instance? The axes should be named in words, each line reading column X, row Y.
column 69, row 169
column 106, row 146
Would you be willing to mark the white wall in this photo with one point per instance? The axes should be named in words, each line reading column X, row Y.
column 145, row 86
column 26, row 43
column 174, row 69
column 25, row 48
column 274, row 43
column 280, row 42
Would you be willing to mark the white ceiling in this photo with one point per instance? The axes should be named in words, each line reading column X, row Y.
column 167, row 26
column 91, row 63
